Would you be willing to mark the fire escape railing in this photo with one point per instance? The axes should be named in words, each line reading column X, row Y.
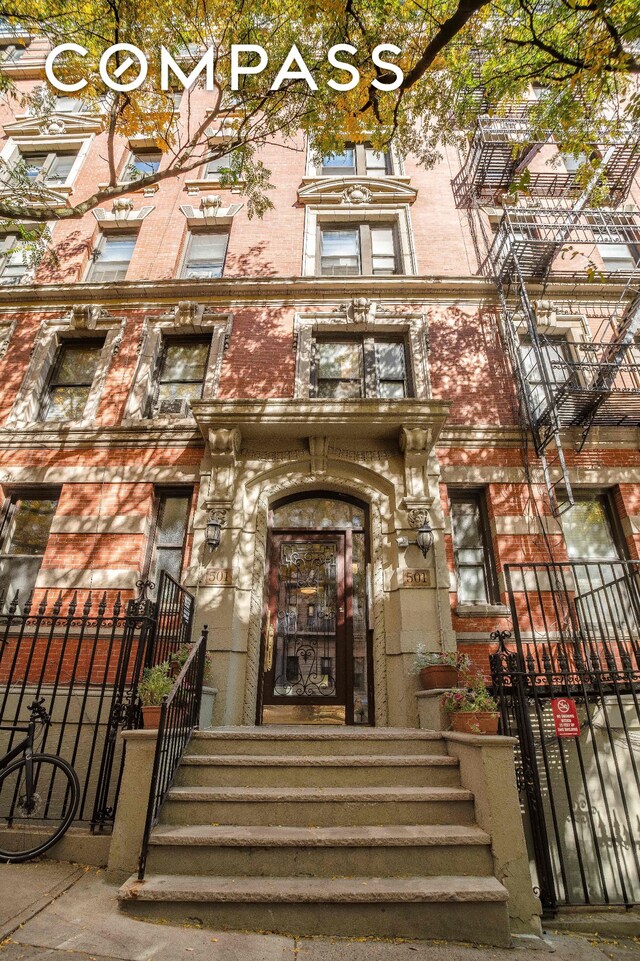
column 538, row 238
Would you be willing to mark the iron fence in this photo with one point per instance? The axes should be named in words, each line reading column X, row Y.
column 577, row 633
column 179, row 715
column 86, row 659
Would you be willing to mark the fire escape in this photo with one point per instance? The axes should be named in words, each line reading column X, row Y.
column 576, row 359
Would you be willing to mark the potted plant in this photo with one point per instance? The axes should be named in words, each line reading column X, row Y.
column 153, row 688
column 438, row 669
column 178, row 659
column 473, row 711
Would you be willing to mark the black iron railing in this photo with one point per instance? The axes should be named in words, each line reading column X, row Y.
column 86, row 659
column 576, row 648
column 179, row 715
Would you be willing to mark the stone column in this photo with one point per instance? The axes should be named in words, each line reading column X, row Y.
column 131, row 813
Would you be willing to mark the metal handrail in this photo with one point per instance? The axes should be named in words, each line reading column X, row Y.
column 179, row 713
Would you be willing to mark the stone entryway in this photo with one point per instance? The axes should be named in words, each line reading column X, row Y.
column 316, row 664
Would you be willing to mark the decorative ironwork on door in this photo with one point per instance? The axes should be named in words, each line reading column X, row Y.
column 305, row 647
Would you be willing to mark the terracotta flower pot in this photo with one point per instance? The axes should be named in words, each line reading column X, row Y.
column 151, row 716
column 480, row 722
column 438, row 676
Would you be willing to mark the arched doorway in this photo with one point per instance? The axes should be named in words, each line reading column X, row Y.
column 316, row 663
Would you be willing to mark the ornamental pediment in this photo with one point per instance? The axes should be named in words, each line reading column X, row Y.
column 54, row 125
column 356, row 191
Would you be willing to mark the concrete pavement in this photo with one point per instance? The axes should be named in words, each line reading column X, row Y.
column 62, row 912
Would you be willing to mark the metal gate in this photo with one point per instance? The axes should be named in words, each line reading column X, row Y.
column 86, row 661
column 576, row 637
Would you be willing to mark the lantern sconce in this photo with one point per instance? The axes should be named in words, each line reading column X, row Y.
column 215, row 521
column 419, row 521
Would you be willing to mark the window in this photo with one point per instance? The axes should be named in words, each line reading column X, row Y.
column 364, row 249
column 590, row 529
column 14, row 260
column 25, row 532
column 170, row 530
column 619, row 256
column 181, row 372
column 472, row 552
column 360, row 159
column 141, row 163
column 71, row 380
column 359, row 367
column 205, row 256
column 213, row 169
column 555, row 371
column 111, row 259
column 573, row 162
column 51, row 169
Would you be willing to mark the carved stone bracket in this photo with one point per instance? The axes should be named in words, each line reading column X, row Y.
column 187, row 312
column 415, row 443
column 86, row 316
column 224, row 443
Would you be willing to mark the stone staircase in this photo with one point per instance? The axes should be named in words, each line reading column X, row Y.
column 313, row 831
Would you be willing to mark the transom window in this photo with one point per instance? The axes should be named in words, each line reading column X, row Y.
column 359, row 367
column 206, row 255
column 111, row 260
column 181, row 372
column 357, row 159
column 52, row 169
column 363, row 249
column 71, row 380
column 472, row 550
column 27, row 522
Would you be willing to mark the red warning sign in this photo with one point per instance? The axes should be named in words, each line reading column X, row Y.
column 565, row 716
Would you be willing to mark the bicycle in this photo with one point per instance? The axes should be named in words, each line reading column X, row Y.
column 39, row 794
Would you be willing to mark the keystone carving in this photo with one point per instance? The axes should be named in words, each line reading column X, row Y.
column 319, row 450
column 356, row 194
column 188, row 312
column 211, row 203
column 85, row 316
column 53, row 128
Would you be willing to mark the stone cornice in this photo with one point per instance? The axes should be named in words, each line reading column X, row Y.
column 40, row 437
column 237, row 290
column 368, row 420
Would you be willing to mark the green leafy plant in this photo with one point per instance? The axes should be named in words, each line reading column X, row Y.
column 180, row 656
column 155, row 685
column 424, row 658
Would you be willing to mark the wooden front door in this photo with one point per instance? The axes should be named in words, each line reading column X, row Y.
column 307, row 653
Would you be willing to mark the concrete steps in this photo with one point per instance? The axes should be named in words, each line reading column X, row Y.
column 444, row 907
column 322, row 831
column 391, row 851
column 340, row 770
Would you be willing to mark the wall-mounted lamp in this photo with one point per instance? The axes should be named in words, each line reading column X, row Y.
column 214, row 528
column 424, row 538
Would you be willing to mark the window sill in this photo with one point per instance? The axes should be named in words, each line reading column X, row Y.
column 194, row 187
column 482, row 610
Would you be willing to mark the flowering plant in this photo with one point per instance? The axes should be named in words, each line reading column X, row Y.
column 472, row 701
column 424, row 658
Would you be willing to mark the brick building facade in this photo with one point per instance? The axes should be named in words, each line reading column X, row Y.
column 344, row 365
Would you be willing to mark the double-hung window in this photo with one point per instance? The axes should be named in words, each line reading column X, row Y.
column 181, row 373
column 475, row 567
column 111, row 260
column 14, row 260
column 215, row 167
column 548, row 370
column 357, row 159
column 27, row 518
column 358, row 250
column 206, row 255
column 50, row 169
column 359, row 367
column 71, row 379
column 171, row 517
column 141, row 163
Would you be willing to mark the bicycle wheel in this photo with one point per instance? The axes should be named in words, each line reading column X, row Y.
column 30, row 826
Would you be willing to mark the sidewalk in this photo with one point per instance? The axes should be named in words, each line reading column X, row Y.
column 64, row 912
